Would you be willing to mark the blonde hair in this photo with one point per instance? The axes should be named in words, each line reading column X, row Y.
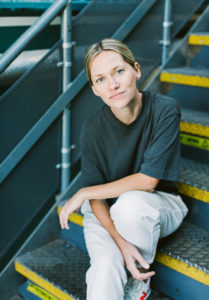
column 107, row 45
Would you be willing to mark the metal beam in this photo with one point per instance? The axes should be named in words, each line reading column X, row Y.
column 65, row 99
column 135, row 17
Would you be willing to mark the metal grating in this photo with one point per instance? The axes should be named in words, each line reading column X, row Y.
column 62, row 265
column 190, row 244
column 188, row 71
column 194, row 174
column 195, row 117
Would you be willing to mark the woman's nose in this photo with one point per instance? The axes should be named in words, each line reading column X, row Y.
column 113, row 83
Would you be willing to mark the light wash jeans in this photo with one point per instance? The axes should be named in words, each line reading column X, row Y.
column 141, row 218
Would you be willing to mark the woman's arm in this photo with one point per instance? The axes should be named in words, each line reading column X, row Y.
column 113, row 189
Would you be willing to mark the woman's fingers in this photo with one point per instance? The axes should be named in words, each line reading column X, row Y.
column 64, row 219
column 137, row 273
column 142, row 261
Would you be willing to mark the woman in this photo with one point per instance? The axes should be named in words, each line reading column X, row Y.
column 130, row 158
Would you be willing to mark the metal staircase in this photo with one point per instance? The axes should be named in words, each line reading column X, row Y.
column 54, row 262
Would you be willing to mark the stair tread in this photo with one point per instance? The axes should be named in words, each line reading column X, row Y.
column 195, row 117
column 188, row 71
column 189, row 245
column 194, row 174
column 60, row 264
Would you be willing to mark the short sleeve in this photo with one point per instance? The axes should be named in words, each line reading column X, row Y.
column 162, row 156
column 91, row 173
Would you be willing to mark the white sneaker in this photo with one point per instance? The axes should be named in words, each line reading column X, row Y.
column 137, row 289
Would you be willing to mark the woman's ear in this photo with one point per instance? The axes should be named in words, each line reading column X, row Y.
column 138, row 70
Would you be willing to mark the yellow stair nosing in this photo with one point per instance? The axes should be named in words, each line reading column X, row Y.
column 191, row 80
column 194, row 192
column 199, row 39
column 194, row 129
column 45, row 284
column 183, row 268
column 39, row 291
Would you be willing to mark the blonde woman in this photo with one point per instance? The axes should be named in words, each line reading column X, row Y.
column 130, row 157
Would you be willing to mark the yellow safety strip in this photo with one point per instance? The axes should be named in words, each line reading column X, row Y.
column 74, row 217
column 193, row 192
column 198, row 39
column 194, row 141
column 193, row 80
column 41, row 293
column 194, row 129
column 183, row 268
column 42, row 282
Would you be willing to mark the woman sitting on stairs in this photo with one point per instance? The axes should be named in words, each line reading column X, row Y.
column 130, row 153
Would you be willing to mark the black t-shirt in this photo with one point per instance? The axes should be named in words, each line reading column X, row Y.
column 111, row 150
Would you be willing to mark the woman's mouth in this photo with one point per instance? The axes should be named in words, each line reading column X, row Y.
column 117, row 95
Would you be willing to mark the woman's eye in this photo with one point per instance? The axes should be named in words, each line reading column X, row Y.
column 100, row 80
column 119, row 71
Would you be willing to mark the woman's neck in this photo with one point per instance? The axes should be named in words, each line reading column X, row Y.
column 128, row 114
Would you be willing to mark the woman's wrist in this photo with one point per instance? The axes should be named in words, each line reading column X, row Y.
column 82, row 194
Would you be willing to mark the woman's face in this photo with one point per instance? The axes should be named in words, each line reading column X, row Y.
column 114, row 80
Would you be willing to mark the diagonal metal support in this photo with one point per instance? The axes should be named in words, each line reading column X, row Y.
column 65, row 99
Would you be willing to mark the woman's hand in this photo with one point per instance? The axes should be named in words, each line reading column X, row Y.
column 70, row 206
column 132, row 256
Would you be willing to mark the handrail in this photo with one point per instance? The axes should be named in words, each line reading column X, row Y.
column 65, row 99
column 20, row 44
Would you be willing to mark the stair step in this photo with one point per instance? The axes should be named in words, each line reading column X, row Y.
column 56, row 267
column 59, row 269
column 182, row 264
column 186, row 76
column 195, row 122
column 199, row 38
column 194, row 180
column 186, row 251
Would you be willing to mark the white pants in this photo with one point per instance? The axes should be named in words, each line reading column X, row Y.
column 141, row 218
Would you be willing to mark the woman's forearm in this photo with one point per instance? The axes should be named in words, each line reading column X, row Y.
column 114, row 189
column 101, row 210
column 104, row 191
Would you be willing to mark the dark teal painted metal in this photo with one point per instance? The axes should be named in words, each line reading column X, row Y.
column 74, row 236
column 177, row 285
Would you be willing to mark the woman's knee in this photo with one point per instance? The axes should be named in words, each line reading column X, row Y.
column 128, row 206
column 133, row 210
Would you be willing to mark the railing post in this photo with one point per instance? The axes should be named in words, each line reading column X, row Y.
column 66, row 117
column 166, row 31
